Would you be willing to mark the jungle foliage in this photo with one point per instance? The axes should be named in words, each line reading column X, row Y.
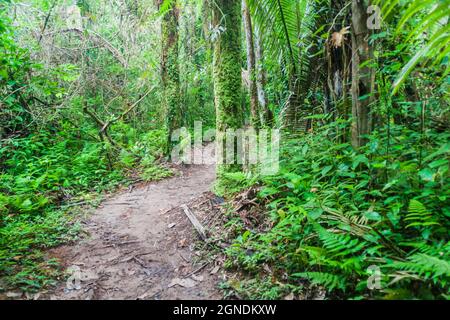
column 78, row 117
column 340, row 217
column 90, row 93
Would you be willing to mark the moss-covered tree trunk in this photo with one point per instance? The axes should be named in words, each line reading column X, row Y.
column 227, row 74
column 251, row 65
column 170, row 74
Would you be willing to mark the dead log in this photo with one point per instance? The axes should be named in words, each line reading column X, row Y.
column 193, row 219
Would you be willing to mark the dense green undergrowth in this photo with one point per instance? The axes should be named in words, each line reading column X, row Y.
column 340, row 217
column 52, row 159
column 43, row 173
column 90, row 91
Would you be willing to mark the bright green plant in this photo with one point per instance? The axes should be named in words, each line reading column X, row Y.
column 336, row 212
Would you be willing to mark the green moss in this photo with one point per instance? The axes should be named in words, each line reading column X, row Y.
column 227, row 73
column 170, row 72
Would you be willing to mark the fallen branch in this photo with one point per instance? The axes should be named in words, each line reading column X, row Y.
column 73, row 204
column 134, row 105
column 197, row 270
column 103, row 132
column 193, row 219
column 140, row 262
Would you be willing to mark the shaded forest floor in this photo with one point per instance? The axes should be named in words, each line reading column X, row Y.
column 139, row 244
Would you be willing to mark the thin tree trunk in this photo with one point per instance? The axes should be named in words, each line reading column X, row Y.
column 251, row 65
column 362, row 77
column 206, row 19
column 170, row 74
column 267, row 115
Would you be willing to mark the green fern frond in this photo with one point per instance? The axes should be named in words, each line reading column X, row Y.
column 327, row 280
column 279, row 21
column 339, row 244
column 437, row 249
column 419, row 216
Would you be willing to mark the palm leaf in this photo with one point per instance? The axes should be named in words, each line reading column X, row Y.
column 434, row 23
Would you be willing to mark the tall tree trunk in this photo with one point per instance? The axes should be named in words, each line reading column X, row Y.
column 227, row 75
column 336, row 62
column 267, row 115
column 338, row 56
column 251, row 65
column 206, row 19
column 362, row 77
column 170, row 74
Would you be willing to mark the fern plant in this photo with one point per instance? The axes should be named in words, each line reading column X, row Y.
column 419, row 216
column 328, row 280
column 334, row 217
column 424, row 267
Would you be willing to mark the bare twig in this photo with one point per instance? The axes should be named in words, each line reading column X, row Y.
column 46, row 21
column 339, row 13
column 98, row 39
column 197, row 270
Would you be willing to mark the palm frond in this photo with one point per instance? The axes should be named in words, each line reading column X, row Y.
column 432, row 32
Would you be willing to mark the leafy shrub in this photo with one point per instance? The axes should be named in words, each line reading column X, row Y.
column 155, row 173
column 336, row 212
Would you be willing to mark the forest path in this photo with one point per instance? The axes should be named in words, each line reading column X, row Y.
column 138, row 248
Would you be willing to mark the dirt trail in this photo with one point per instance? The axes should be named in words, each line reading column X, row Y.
column 137, row 248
